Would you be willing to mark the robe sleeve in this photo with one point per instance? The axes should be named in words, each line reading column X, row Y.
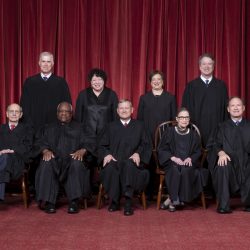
column 79, row 110
column 196, row 147
column 173, row 108
column 140, row 112
column 186, row 100
column 114, row 106
column 145, row 148
column 41, row 142
column 24, row 147
column 104, row 144
column 164, row 151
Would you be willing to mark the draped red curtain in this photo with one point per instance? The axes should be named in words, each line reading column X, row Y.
column 127, row 38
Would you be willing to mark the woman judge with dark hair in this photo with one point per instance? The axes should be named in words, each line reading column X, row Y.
column 96, row 105
column 155, row 107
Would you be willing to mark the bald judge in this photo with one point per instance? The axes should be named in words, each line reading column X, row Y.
column 15, row 146
column 62, row 148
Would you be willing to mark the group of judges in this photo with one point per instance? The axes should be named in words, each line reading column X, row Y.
column 42, row 130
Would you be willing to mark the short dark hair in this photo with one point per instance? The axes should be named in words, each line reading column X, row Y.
column 206, row 55
column 155, row 72
column 99, row 73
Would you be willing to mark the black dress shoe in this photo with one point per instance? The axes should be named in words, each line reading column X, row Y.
column 113, row 207
column 73, row 207
column 224, row 211
column 50, row 208
column 128, row 210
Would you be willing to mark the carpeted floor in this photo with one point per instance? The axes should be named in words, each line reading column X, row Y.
column 190, row 228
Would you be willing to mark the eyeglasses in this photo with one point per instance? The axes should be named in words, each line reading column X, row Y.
column 183, row 117
column 14, row 111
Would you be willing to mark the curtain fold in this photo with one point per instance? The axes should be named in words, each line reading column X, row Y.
column 127, row 39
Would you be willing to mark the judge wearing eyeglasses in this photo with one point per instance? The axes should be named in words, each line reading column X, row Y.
column 15, row 146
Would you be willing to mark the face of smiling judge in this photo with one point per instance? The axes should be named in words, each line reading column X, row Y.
column 125, row 110
column 236, row 108
column 206, row 67
column 14, row 113
column 64, row 112
column 157, row 82
column 46, row 63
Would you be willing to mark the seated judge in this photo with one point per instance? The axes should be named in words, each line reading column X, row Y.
column 63, row 148
column 15, row 146
column 179, row 151
column 228, row 158
column 124, row 148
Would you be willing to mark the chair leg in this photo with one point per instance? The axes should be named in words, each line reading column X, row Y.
column 203, row 201
column 25, row 190
column 143, row 199
column 99, row 197
column 160, row 192
column 85, row 204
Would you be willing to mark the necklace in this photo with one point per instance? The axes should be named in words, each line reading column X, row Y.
column 181, row 131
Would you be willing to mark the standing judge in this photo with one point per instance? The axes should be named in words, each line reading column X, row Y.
column 155, row 107
column 229, row 160
column 206, row 98
column 96, row 105
column 15, row 146
column 124, row 149
column 62, row 147
column 42, row 93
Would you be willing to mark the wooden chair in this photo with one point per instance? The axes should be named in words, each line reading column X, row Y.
column 101, row 197
column 23, row 180
column 158, row 135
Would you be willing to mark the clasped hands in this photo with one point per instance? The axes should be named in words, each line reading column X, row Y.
column 78, row 155
column 134, row 157
column 179, row 161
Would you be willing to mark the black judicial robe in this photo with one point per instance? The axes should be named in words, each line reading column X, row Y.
column 183, row 182
column 235, row 141
column 95, row 112
column 153, row 110
column 19, row 140
column 122, row 142
column 62, row 140
column 40, row 99
column 207, row 105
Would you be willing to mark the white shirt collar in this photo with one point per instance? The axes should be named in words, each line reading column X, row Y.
column 204, row 79
column 236, row 120
column 12, row 124
column 48, row 76
column 127, row 122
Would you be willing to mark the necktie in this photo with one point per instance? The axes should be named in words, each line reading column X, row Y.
column 12, row 126
column 45, row 78
column 237, row 123
column 207, row 82
column 125, row 124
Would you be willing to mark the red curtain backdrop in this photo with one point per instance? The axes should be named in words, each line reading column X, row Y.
column 127, row 38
